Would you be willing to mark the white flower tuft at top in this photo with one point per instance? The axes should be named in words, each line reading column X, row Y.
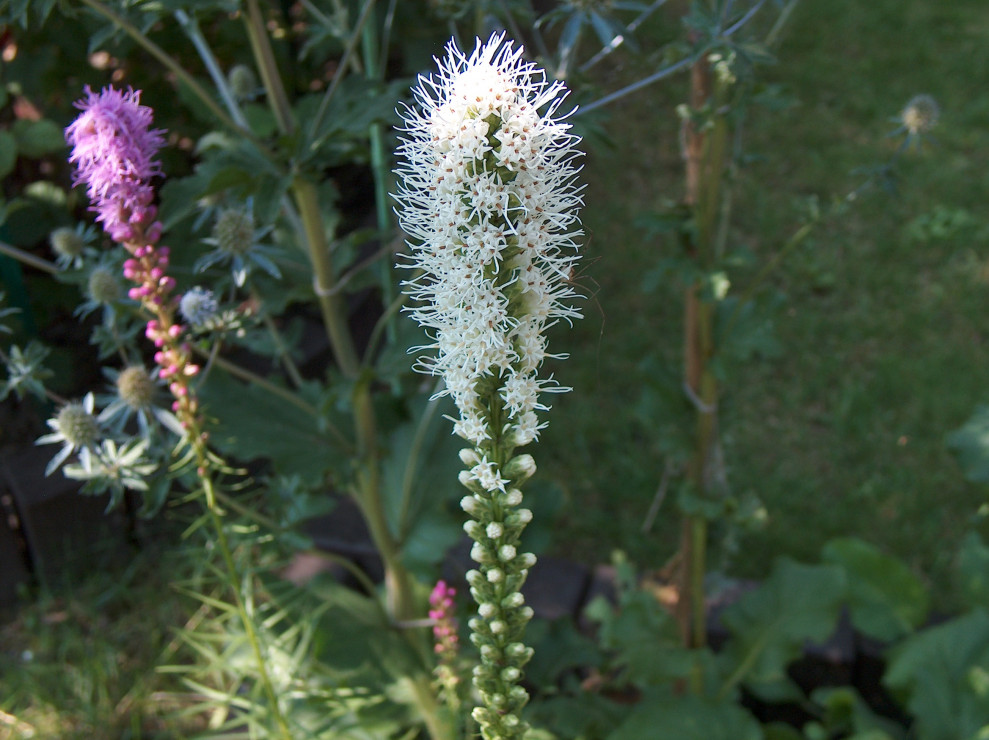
column 488, row 199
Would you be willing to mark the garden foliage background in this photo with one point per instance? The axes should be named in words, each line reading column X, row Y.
column 850, row 467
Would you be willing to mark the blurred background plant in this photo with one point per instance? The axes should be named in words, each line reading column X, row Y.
column 832, row 403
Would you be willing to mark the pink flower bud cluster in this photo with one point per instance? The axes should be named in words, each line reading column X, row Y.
column 444, row 621
column 147, row 268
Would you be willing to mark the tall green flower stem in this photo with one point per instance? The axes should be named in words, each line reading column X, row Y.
column 379, row 160
column 399, row 584
column 706, row 139
column 174, row 358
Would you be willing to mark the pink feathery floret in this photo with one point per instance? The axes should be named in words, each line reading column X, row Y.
column 114, row 150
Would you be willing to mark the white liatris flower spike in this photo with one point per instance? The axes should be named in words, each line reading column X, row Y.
column 488, row 199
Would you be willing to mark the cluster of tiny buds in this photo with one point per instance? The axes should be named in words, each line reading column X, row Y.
column 173, row 359
column 496, row 523
column 148, row 268
column 442, row 612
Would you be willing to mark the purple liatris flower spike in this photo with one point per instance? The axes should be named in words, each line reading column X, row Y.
column 114, row 150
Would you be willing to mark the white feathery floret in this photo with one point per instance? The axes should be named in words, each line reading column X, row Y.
column 488, row 200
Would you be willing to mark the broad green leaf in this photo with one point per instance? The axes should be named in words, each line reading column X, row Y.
column 973, row 570
column 781, row 731
column 770, row 625
column 38, row 138
column 846, row 712
column 970, row 444
column 665, row 715
column 944, row 673
column 559, row 647
column 886, row 599
column 587, row 716
column 254, row 423
column 419, row 483
column 354, row 634
column 8, row 153
column 645, row 639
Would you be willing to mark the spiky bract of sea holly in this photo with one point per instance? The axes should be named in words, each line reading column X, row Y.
column 488, row 199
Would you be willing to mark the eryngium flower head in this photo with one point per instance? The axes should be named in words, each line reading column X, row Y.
column 233, row 232
column 78, row 429
column 488, row 201
column 920, row 114
column 114, row 150
column 103, row 286
column 243, row 82
column 135, row 387
column 198, row 306
column 67, row 242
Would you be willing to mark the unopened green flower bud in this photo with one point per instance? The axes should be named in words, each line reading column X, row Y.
column 518, row 694
column 135, row 387
column 469, row 482
column 513, row 497
column 497, row 701
column 516, row 650
column 526, row 613
column 474, row 577
column 513, row 601
column 470, row 504
column 520, row 468
column 474, row 530
column 498, row 626
column 489, row 652
column 477, row 552
column 527, row 560
column 66, row 242
column 103, row 286
column 511, row 674
column 469, row 457
column 79, row 427
column 518, row 518
column 487, row 610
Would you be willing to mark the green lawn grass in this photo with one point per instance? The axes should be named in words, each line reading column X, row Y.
column 884, row 325
column 78, row 659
